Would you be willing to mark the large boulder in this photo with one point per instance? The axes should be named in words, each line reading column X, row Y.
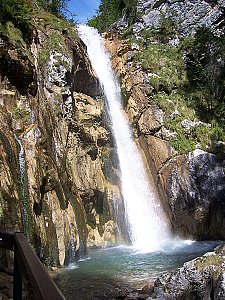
column 195, row 188
column 201, row 278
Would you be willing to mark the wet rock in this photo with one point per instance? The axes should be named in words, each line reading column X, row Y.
column 134, row 81
column 148, row 288
column 17, row 67
column 200, row 278
column 52, row 103
column 195, row 188
column 220, row 250
column 159, row 150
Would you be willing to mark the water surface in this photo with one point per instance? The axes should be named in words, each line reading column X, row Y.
column 110, row 272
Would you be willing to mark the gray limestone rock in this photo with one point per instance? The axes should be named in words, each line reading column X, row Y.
column 189, row 15
column 196, row 192
column 201, row 278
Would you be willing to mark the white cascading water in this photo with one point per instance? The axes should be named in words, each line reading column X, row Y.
column 72, row 246
column 22, row 164
column 147, row 223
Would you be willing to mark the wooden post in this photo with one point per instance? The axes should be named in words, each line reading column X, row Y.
column 17, row 278
column 29, row 271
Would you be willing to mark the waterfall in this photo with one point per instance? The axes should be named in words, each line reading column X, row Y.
column 24, row 192
column 72, row 245
column 146, row 221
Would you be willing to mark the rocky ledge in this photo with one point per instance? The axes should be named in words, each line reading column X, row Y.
column 200, row 278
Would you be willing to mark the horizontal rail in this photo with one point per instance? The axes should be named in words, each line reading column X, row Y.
column 29, row 271
column 39, row 282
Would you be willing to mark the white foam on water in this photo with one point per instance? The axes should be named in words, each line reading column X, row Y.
column 72, row 266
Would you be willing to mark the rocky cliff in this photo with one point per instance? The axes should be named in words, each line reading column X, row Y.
column 201, row 278
column 191, row 181
column 58, row 170
column 190, row 15
column 60, row 182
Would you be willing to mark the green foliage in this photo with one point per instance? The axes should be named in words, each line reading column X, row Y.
column 110, row 11
column 166, row 66
column 201, row 135
column 183, row 144
column 14, row 34
column 20, row 114
column 206, row 74
column 19, row 12
column 176, row 110
column 189, row 80
column 56, row 7
column 54, row 42
column 53, row 21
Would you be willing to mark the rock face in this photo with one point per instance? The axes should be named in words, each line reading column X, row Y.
column 189, row 14
column 133, row 82
column 201, row 278
column 195, row 190
column 192, row 188
column 59, row 177
column 55, row 145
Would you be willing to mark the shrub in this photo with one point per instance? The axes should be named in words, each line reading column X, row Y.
column 188, row 79
column 111, row 10
column 56, row 7
column 165, row 65
column 205, row 63
column 20, row 114
column 54, row 42
column 19, row 12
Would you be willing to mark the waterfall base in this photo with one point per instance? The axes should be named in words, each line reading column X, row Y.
column 116, row 271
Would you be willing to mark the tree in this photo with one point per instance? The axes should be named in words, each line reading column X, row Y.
column 110, row 11
column 54, row 6
column 206, row 73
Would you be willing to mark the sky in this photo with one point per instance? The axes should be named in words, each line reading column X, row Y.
column 84, row 9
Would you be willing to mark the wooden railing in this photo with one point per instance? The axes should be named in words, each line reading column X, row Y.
column 29, row 273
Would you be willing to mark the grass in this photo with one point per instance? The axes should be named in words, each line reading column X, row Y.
column 209, row 261
column 51, row 20
column 165, row 66
column 167, row 74
column 54, row 42
column 20, row 114
column 13, row 33
column 176, row 109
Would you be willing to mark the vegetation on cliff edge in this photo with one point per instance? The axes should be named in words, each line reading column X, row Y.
column 21, row 12
column 188, row 82
column 111, row 10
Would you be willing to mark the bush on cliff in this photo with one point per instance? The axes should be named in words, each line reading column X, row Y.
column 110, row 11
column 20, row 12
column 205, row 65
column 188, row 85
